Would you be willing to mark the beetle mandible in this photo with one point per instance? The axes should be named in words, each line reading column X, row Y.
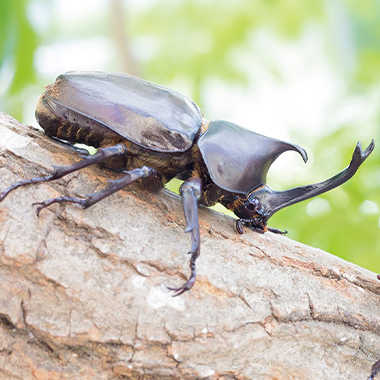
column 157, row 134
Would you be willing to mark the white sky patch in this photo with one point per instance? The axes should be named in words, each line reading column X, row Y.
column 38, row 13
column 87, row 54
column 73, row 11
column 292, row 86
column 141, row 4
column 318, row 207
column 145, row 47
column 6, row 75
column 369, row 208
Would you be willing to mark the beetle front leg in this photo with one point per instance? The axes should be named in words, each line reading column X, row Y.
column 191, row 191
column 258, row 225
column 277, row 231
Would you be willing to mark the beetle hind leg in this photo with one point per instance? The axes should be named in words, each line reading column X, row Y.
column 61, row 171
column 116, row 185
column 190, row 191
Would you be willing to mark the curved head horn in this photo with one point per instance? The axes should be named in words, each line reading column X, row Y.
column 272, row 201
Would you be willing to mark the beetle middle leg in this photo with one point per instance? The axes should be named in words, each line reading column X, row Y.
column 191, row 191
column 116, row 185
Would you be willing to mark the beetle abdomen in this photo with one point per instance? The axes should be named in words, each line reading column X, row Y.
column 63, row 123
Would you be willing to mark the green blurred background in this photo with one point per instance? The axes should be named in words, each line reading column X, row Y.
column 304, row 71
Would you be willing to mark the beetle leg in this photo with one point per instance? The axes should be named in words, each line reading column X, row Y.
column 191, row 191
column 116, row 185
column 277, row 231
column 239, row 226
column 258, row 225
column 60, row 171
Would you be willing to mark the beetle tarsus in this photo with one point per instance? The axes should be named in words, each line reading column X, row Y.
column 277, row 231
column 257, row 224
column 49, row 202
column 16, row 185
column 190, row 282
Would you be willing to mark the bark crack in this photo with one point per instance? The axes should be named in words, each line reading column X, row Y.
column 134, row 341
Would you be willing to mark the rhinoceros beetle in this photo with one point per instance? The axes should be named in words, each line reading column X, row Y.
column 156, row 134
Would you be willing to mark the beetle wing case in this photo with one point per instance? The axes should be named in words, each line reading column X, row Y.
column 237, row 159
column 149, row 115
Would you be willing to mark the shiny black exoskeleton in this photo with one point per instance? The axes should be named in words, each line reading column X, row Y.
column 156, row 134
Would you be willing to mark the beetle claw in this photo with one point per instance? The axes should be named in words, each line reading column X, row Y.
column 184, row 288
column 277, row 231
column 190, row 282
column 49, row 202
column 38, row 208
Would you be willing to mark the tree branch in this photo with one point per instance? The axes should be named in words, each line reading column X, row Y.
column 83, row 292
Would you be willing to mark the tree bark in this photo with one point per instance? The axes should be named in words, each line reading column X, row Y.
column 83, row 292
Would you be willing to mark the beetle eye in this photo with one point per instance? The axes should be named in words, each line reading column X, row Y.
column 252, row 207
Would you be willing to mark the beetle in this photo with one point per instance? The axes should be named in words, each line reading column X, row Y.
column 155, row 134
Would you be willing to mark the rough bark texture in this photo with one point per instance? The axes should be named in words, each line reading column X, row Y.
column 83, row 292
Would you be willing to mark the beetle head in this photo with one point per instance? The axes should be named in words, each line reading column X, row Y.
column 249, row 208
column 251, row 211
column 263, row 202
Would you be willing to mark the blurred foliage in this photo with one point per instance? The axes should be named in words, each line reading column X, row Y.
column 191, row 42
column 18, row 42
column 200, row 37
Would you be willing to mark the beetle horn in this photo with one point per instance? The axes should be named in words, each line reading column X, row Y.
column 273, row 201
